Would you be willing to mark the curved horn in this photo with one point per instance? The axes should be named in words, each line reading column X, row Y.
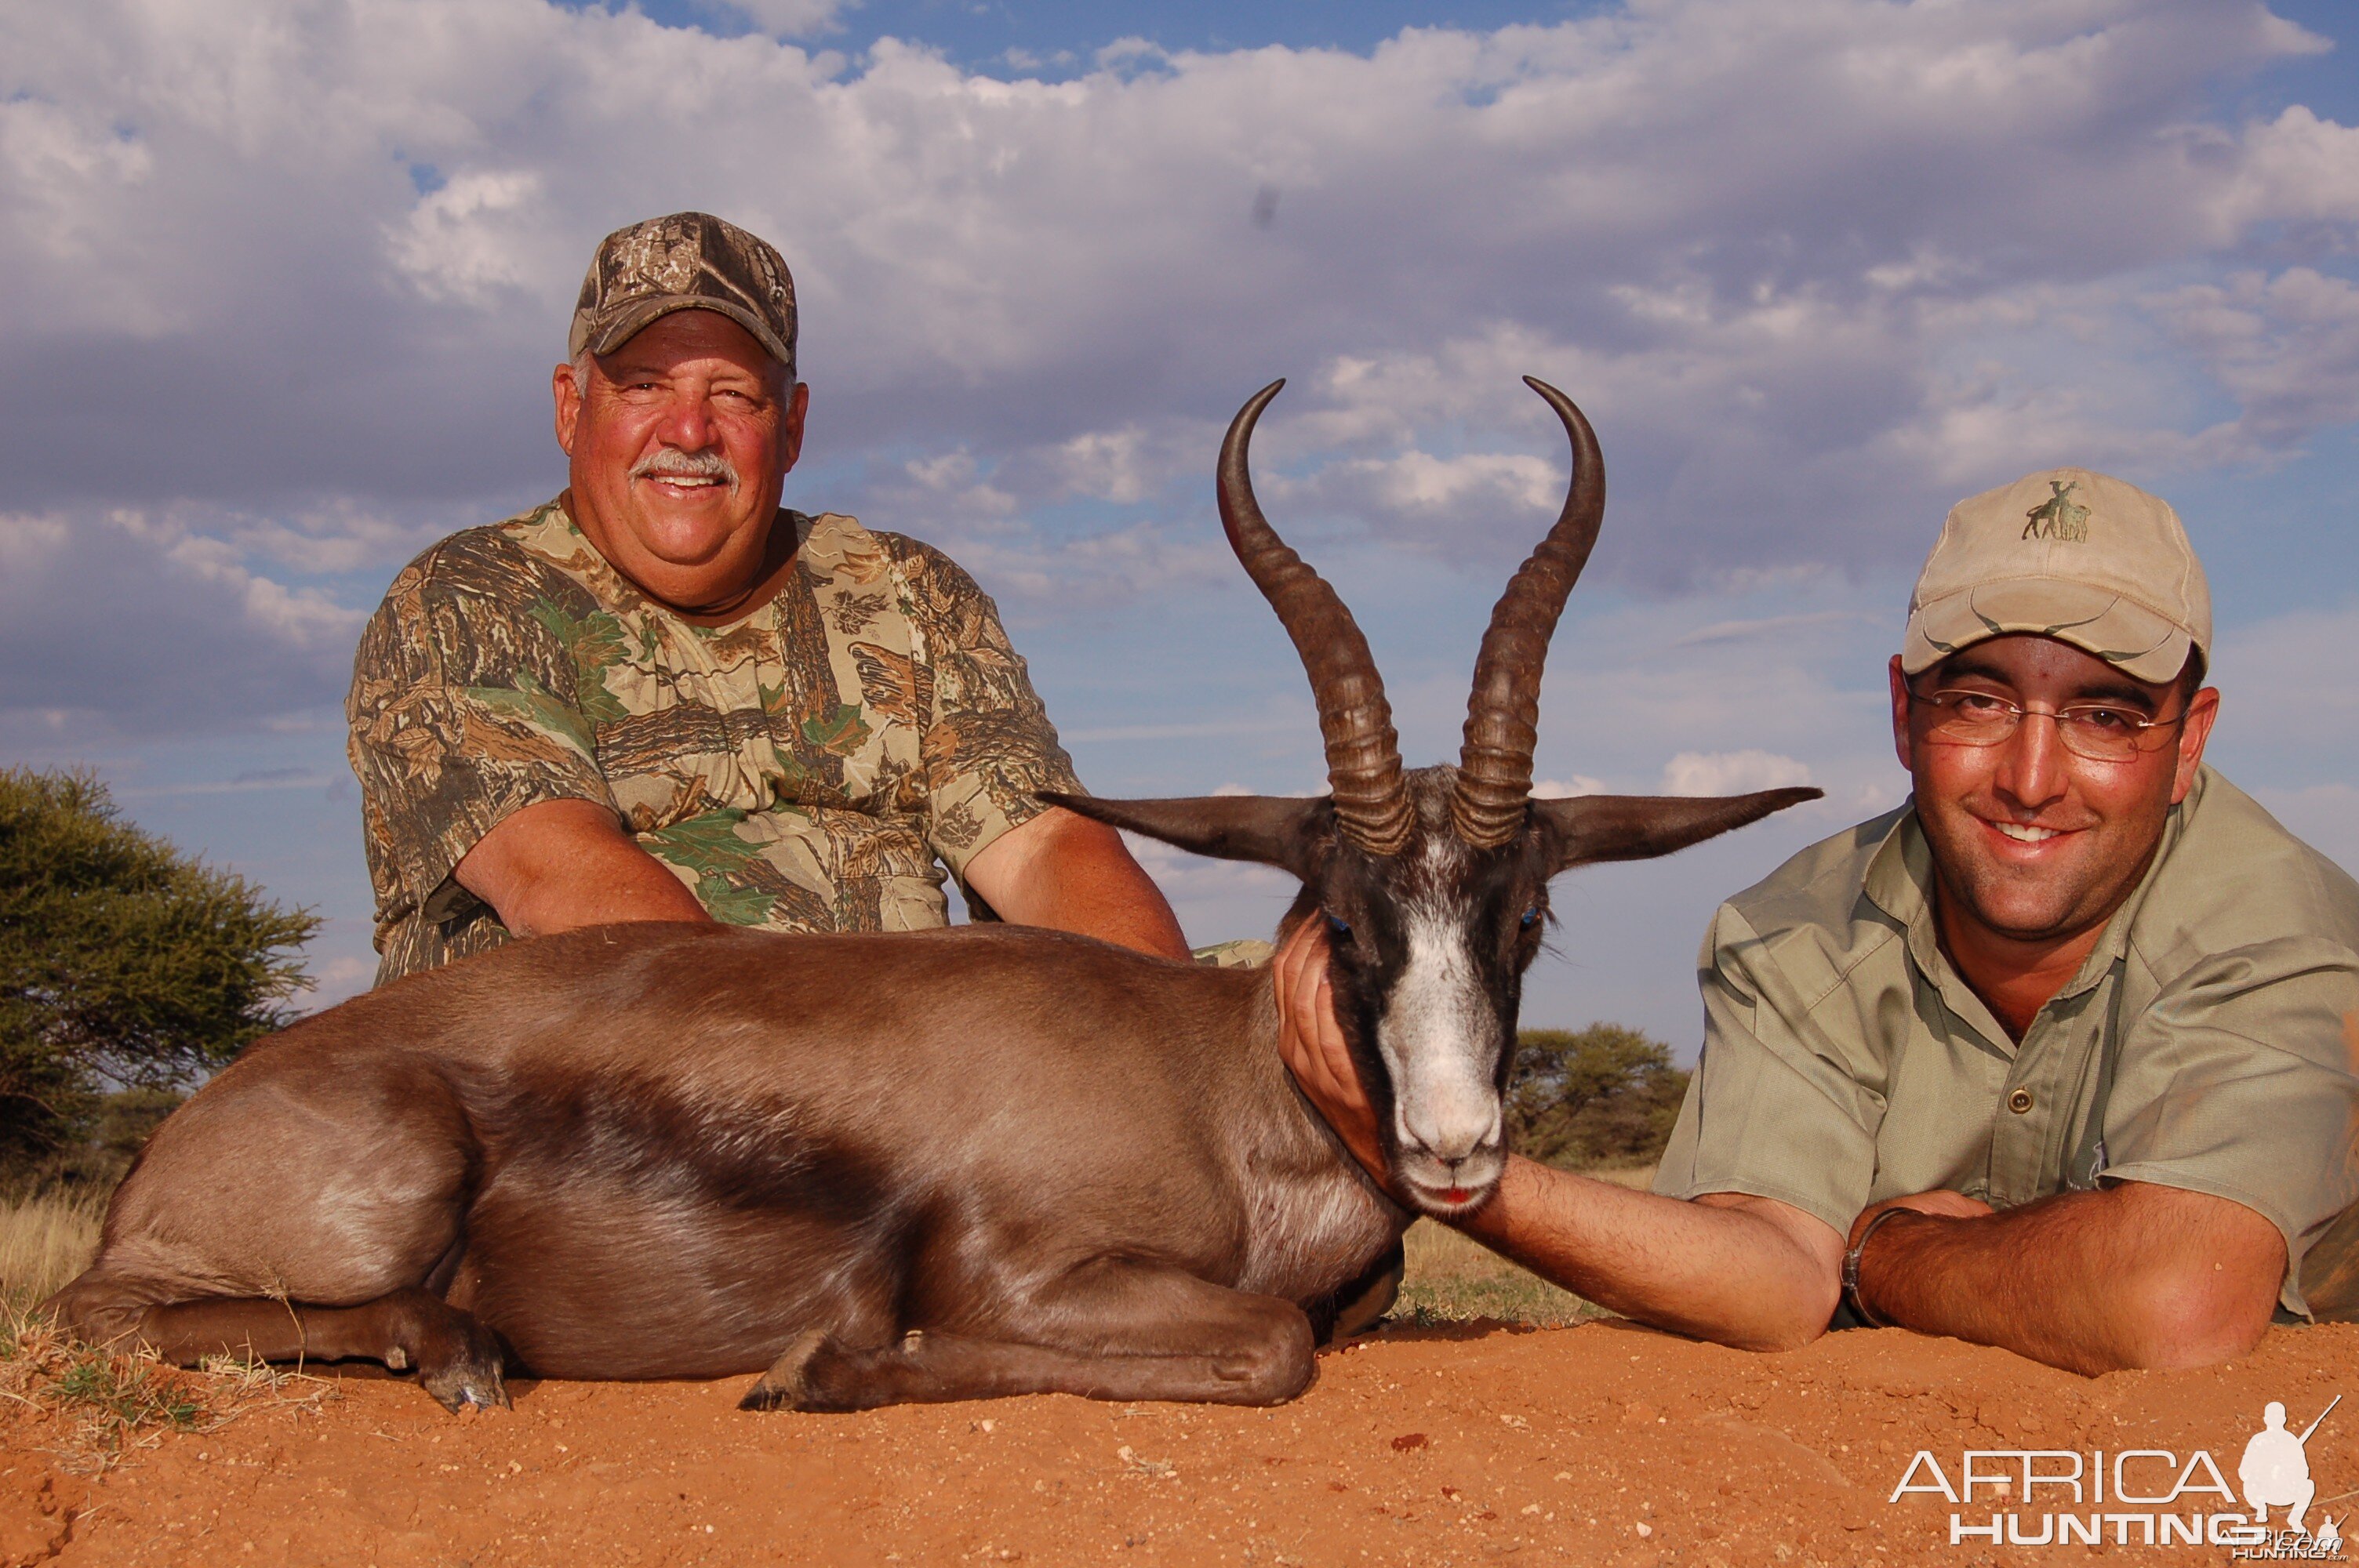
column 1494, row 767
column 1363, row 766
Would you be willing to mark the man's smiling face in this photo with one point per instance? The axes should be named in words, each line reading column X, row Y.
column 680, row 444
column 2032, row 843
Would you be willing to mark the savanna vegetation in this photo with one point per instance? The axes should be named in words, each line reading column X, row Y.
column 128, row 970
column 1602, row 1097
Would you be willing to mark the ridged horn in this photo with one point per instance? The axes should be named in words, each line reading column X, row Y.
column 1364, row 765
column 1494, row 767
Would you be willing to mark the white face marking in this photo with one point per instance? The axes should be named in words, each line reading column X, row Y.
column 1435, row 1037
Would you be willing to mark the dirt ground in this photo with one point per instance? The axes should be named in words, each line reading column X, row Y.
column 1600, row 1444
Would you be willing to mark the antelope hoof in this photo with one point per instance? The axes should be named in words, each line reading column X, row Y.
column 467, row 1382
column 785, row 1385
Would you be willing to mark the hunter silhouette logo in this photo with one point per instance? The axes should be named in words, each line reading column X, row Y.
column 2060, row 516
column 2276, row 1468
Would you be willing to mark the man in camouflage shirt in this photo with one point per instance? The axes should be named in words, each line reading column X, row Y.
column 661, row 696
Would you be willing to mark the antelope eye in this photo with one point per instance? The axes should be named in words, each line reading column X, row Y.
column 1339, row 925
column 1531, row 917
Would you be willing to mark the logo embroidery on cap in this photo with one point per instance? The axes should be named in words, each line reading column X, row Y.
column 2059, row 517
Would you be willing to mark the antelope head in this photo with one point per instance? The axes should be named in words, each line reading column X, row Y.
column 1432, row 882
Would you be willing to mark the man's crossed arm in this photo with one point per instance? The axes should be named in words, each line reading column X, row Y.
column 563, row 863
column 2136, row 1275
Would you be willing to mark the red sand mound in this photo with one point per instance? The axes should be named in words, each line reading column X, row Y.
column 1599, row 1445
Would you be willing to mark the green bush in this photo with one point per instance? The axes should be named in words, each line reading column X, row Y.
column 125, row 964
column 1603, row 1095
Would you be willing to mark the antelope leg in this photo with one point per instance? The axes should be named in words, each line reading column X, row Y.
column 1357, row 1306
column 1113, row 1331
column 457, row 1359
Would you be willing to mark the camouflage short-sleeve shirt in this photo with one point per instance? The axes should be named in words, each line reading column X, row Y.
column 811, row 767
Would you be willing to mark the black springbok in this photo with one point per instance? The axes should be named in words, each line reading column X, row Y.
column 947, row 1165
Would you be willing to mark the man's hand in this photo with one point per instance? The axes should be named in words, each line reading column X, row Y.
column 2134, row 1275
column 1957, row 1206
column 1312, row 1043
column 1062, row 870
column 558, row 864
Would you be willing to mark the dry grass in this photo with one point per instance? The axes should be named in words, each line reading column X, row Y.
column 1453, row 1280
column 44, row 1242
column 90, row 1408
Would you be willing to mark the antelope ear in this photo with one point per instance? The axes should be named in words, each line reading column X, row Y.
column 1590, row 827
column 1275, row 830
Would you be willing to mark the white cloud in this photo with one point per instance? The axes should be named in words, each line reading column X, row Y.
column 2295, row 168
column 1732, row 773
column 1815, row 270
column 787, row 19
column 1421, row 483
column 191, row 638
column 1565, row 789
column 2286, row 347
column 1746, row 234
column 459, row 241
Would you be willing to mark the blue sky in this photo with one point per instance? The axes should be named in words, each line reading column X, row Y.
column 288, row 276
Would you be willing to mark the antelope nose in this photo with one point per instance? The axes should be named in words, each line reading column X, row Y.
column 1450, row 1134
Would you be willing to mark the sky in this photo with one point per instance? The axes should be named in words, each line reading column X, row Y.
column 288, row 277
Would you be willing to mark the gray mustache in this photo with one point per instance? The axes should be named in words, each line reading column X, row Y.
column 673, row 464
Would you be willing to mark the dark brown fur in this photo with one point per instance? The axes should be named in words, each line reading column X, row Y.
column 654, row 1150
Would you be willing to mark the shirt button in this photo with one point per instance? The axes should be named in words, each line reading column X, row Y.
column 2020, row 1101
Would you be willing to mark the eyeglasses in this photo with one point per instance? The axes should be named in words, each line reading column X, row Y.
column 2098, row 731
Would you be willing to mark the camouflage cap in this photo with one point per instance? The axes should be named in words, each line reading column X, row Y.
column 689, row 261
column 2069, row 554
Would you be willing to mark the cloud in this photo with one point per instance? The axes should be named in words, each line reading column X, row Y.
column 152, row 630
column 1732, row 773
column 1813, row 270
column 787, row 18
column 2288, row 708
column 452, row 244
column 1753, row 228
column 2286, row 347
column 1767, row 627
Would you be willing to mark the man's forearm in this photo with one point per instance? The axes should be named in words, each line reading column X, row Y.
column 1737, row 1270
column 2138, row 1275
column 560, row 864
column 1068, row 873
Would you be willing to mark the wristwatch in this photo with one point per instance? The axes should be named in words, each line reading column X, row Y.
column 1851, row 1270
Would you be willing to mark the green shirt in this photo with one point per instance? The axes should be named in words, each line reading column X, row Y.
column 1845, row 1062
column 812, row 766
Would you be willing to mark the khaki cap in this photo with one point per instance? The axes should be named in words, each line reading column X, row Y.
column 2069, row 554
column 689, row 261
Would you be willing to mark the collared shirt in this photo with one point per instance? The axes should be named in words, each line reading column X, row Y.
column 2198, row 1046
column 812, row 766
